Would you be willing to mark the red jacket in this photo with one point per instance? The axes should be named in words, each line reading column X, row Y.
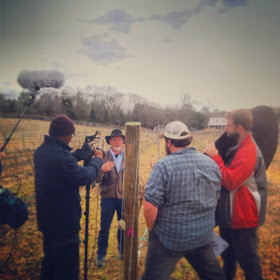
column 242, row 203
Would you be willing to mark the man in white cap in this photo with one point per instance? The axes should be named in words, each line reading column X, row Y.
column 179, row 208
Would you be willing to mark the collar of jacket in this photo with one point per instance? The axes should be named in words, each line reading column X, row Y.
column 113, row 154
column 245, row 140
column 185, row 150
column 51, row 139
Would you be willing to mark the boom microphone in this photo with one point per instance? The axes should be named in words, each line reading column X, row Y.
column 40, row 79
column 34, row 80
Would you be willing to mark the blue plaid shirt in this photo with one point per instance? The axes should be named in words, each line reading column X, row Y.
column 185, row 187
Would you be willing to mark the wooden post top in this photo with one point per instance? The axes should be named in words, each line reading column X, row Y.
column 133, row 123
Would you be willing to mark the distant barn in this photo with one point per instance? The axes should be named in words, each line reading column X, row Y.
column 218, row 123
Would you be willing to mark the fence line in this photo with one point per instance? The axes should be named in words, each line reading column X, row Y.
column 20, row 151
column 30, row 134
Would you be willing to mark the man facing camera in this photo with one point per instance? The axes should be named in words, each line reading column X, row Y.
column 111, row 190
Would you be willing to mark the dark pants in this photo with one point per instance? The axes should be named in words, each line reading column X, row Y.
column 160, row 261
column 61, row 258
column 108, row 208
column 243, row 248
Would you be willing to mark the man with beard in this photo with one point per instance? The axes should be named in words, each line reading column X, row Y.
column 111, row 188
column 179, row 208
column 242, row 205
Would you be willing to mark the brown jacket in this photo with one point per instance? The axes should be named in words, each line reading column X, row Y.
column 111, row 182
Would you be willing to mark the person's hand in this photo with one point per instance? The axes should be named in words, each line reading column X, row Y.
column 211, row 150
column 107, row 166
column 97, row 152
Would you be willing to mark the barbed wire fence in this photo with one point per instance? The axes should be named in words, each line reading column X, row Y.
column 19, row 152
column 18, row 164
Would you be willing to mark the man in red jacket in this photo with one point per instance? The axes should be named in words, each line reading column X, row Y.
column 242, row 204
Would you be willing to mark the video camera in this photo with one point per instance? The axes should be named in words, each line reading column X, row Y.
column 87, row 151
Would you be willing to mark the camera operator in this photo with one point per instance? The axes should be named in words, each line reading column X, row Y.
column 57, row 180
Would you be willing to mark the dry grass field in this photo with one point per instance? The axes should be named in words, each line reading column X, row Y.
column 21, row 252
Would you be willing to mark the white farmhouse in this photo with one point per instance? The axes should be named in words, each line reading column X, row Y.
column 218, row 123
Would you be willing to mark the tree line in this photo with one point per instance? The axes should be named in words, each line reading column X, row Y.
column 109, row 109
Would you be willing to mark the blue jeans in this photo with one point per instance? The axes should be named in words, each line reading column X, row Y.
column 160, row 261
column 243, row 248
column 61, row 258
column 108, row 208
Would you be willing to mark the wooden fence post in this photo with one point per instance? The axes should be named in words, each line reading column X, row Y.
column 132, row 154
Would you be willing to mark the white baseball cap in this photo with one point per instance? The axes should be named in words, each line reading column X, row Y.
column 175, row 130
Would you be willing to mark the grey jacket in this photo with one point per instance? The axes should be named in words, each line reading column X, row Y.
column 111, row 182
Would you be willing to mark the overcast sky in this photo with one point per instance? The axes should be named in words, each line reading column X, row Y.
column 226, row 54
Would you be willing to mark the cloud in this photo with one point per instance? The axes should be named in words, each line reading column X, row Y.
column 101, row 49
column 119, row 20
column 234, row 3
column 228, row 4
column 204, row 3
column 174, row 19
column 222, row 6
column 178, row 19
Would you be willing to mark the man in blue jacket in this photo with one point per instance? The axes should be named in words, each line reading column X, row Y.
column 57, row 180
